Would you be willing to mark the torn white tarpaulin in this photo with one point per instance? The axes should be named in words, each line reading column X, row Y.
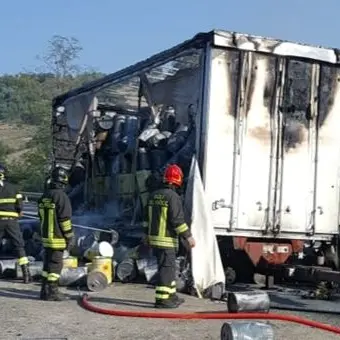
column 207, row 268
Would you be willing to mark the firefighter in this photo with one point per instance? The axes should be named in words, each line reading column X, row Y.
column 10, row 211
column 165, row 223
column 56, row 232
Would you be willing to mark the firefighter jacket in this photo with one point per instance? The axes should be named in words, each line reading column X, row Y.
column 10, row 201
column 166, row 219
column 55, row 218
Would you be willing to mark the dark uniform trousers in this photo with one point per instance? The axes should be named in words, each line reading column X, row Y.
column 9, row 227
column 166, row 280
column 10, row 208
column 165, row 224
column 53, row 264
column 55, row 215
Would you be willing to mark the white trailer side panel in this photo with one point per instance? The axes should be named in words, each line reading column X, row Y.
column 219, row 135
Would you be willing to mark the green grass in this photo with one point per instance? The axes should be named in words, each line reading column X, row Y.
column 15, row 137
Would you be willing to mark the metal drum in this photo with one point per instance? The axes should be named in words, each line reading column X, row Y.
column 254, row 301
column 247, row 331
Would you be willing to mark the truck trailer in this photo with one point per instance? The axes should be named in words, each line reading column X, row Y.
column 261, row 117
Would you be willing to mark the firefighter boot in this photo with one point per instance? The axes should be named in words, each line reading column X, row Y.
column 53, row 293
column 26, row 273
column 168, row 303
column 177, row 299
column 44, row 289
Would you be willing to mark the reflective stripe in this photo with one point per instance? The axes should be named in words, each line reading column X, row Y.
column 53, row 277
column 163, row 289
column 57, row 243
column 173, row 288
column 22, row 261
column 162, row 222
column 7, row 200
column 66, row 225
column 44, row 274
column 159, row 238
column 181, row 228
column 50, row 224
column 166, row 242
column 9, row 214
column 172, row 291
column 49, row 239
column 18, row 196
column 163, row 292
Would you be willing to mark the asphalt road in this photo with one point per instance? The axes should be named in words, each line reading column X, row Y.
column 24, row 316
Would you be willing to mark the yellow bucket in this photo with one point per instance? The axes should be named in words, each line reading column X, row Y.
column 103, row 265
column 88, row 266
column 70, row 262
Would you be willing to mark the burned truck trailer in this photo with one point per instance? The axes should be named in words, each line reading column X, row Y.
column 261, row 117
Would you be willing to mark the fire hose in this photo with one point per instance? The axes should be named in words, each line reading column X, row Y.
column 32, row 216
column 207, row 316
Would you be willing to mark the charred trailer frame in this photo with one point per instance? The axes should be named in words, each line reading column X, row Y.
column 266, row 138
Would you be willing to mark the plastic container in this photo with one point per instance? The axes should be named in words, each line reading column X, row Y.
column 104, row 249
column 117, row 131
column 143, row 159
column 104, row 265
column 70, row 262
column 130, row 133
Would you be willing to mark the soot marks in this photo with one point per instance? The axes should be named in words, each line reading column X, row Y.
column 295, row 106
column 260, row 133
column 233, row 75
column 269, row 90
column 259, row 43
column 337, row 54
column 294, row 133
column 329, row 84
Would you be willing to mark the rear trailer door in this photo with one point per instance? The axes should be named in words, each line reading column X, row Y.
column 267, row 164
column 308, row 200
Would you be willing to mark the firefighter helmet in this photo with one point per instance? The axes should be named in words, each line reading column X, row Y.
column 2, row 172
column 173, row 174
column 59, row 175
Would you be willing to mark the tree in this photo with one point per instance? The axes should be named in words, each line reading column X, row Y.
column 61, row 55
column 60, row 59
column 26, row 98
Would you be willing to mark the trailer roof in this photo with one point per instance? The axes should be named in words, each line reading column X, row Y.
column 218, row 38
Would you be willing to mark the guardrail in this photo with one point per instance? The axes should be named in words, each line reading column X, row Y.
column 31, row 196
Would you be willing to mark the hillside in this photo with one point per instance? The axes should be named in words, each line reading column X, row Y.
column 25, row 109
column 15, row 137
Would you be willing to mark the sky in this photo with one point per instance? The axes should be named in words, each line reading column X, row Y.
column 117, row 33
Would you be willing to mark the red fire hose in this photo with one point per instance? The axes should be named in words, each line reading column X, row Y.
column 207, row 316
